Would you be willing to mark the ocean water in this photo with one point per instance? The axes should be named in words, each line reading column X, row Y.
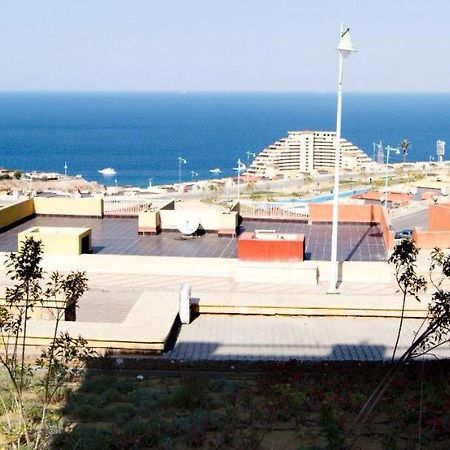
column 141, row 135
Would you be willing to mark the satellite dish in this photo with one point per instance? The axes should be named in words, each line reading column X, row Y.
column 187, row 222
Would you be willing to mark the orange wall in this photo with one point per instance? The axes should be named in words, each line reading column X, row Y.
column 398, row 198
column 431, row 239
column 250, row 249
column 323, row 212
column 381, row 216
column 439, row 217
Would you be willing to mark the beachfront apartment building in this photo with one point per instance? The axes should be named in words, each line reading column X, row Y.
column 306, row 152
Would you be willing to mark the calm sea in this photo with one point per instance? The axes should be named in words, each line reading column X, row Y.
column 141, row 135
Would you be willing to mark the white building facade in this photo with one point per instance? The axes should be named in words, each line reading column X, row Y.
column 306, row 152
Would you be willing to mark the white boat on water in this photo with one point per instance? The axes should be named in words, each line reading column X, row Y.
column 216, row 171
column 108, row 171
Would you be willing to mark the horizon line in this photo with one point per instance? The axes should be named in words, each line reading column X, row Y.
column 205, row 91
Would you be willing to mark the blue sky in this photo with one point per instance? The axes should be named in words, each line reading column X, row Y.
column 214, row 45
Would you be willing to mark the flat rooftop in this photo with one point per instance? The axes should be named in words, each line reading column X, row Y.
column 356, row 242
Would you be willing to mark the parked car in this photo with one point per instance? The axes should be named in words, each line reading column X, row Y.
column 404, row 234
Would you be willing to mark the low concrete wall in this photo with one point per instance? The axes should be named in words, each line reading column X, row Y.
column 149, row 222
column 236, row 207
column 292, row 249
column 314, row 304
column 358, row 271
column 170, row 205
column 145, row 329
column 62, row 206
column 59, row 240
column 210, row 220
column 16, row 212
column 301, row 273
column 227, row 223
column 145, row 265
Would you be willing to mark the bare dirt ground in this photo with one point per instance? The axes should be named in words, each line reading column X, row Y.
column 71, row 184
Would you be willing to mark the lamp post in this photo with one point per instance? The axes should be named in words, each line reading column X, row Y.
column 239, row 164
column 388, row 152
column 65, row 175
column 193, row 174
column 248, row 158
column 345, row 47
column 180, row 162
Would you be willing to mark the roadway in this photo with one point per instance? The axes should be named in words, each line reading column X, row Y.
column 415, row 219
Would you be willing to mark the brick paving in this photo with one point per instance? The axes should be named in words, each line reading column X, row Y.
column 111, row 296
column 356, row 242
column 276, row 338
column 100, row 305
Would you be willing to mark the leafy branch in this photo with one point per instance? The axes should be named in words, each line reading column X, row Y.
column 63, row 355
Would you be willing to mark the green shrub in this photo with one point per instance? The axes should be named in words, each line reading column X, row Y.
column 7, row 400
column 330, row 428
column 190, row 393
column 87, row 438
column 98, row 384
column 145, row 398
column 120, row 412
column 17, row 174
column 125, row 385
column 140, row 433
column 86, row 412
column 182, row 398
column 33, row 410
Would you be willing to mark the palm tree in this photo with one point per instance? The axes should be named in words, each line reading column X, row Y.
column 405, row 144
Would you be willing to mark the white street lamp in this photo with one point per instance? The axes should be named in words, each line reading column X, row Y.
column 388, row 152
column 180, row 162
column 345, row 47
column 239, row 168
column 248, row 158
column 193, row 174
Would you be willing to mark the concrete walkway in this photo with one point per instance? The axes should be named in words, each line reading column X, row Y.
column 250, row 338
column 112, row 297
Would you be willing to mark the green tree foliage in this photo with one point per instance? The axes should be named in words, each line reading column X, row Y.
column 435, row 329
column 405, row 145
column 25, row 425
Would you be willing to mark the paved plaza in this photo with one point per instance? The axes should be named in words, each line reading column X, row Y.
column 223, row 337
column 356, row 242
column 278, row 338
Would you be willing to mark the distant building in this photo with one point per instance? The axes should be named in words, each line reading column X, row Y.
column 306, row 152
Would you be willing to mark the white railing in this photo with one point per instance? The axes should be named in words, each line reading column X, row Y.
column 274, row 210
column 124, row 206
